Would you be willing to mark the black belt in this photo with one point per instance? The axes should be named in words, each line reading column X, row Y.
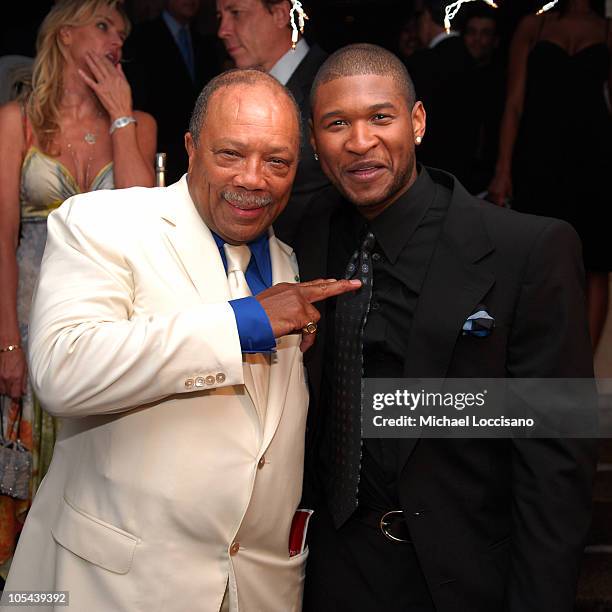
column 391, row 523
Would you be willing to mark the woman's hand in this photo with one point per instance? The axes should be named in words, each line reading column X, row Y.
column 109, row 84
column 500, row 188
column 13, row 372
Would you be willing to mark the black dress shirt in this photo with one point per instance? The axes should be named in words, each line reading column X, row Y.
column 406, row 235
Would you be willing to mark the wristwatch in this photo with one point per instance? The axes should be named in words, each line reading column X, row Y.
column 121, row 122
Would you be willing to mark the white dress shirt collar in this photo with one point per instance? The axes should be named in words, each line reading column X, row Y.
column 286, row 65
column 440, row 37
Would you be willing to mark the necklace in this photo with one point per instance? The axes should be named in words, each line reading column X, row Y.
column 90, row 137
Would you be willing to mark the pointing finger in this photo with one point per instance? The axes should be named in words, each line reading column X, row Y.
column 316, row 293
column 318, row 281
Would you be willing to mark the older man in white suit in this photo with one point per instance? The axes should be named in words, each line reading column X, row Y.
column 178, row 467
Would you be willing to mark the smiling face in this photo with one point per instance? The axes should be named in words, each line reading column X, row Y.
column 255, row 36
column 364, row 133
column 242, row 170
column 103, row 36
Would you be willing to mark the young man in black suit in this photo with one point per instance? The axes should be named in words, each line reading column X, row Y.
column 256, row 34
column 478, row 525
column 168, row 63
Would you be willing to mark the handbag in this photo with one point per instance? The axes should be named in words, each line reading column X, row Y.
column 15, row 461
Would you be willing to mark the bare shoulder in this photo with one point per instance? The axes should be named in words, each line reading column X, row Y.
column 145, row 120
column 529, row 27
column 12, row 138
column 11, row 119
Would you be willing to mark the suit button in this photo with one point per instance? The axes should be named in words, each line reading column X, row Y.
column 234, row 548
column 199, row 381
column 376, row 256
column 220, row 377
column 189, row 383
column 210, row 379
column 261, row 462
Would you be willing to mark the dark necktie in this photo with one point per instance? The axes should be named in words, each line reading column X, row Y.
column 186, row 51
column 351, row 314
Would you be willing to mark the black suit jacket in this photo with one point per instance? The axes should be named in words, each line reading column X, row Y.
column 498, row 525
column 309, row 178
column 446, row 81
column 162, row 86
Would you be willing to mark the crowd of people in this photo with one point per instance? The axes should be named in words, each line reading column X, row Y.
column 153, row 342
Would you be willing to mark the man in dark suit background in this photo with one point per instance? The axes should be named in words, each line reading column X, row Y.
column 168, row 63
column 445, row 80
column 477, row 525
column 257, row 34
column 480, row 34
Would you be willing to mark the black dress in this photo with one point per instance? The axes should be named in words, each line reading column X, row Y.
column 563, row 156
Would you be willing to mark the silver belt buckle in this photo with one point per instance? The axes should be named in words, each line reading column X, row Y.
column 386, row 521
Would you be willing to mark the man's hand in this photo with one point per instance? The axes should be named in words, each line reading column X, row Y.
column 289, row 306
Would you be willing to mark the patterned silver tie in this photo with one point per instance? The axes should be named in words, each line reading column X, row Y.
column 351, row 315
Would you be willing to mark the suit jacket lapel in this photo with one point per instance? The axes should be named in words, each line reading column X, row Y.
column 455, row 284
column 284, row 270
column 195, row 247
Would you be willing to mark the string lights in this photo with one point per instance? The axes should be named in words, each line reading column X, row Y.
column 296, row 7
column 453, row 8
column 547, row 7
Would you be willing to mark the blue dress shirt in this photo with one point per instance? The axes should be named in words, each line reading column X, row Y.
column 254, row 329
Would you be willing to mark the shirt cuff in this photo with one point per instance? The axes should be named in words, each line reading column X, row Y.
column 254, row 329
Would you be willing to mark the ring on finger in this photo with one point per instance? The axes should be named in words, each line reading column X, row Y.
column 310, row 327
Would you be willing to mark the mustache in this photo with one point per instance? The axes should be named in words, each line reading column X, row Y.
column 246, row 200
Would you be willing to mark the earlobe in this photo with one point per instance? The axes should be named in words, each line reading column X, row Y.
column 419, row 119
column 189, row 143
column 190, row 147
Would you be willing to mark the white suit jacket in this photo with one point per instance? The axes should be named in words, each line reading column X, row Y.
column 170, row 478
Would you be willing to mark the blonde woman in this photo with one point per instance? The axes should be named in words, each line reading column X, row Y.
column 75, row 131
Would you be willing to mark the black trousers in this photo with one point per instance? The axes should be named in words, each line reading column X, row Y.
column 357, row 569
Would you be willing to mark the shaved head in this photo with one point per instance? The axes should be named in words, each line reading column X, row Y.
column 362, row 59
